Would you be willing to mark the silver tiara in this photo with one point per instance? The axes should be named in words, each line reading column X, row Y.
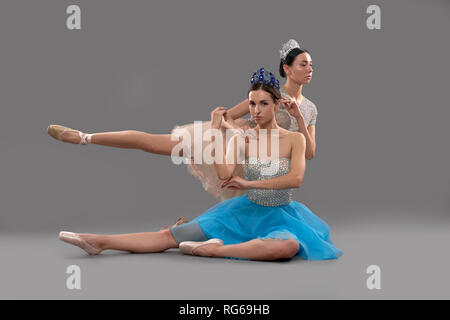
column 287, row 47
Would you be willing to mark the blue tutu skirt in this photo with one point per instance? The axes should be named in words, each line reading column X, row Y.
column 239, row 219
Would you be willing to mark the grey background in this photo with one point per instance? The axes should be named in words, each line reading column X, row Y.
column 380, row 177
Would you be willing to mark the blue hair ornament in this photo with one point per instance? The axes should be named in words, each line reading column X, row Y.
column 266, row 77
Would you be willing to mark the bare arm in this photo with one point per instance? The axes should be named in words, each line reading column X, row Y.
column 296, row 172
column 310, row 136
column 229, row 160
column 239, row 110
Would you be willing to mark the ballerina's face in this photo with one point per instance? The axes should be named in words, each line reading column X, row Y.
column 262, row 106
column 301, row 69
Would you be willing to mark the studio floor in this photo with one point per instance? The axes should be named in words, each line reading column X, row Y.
column 413, row 259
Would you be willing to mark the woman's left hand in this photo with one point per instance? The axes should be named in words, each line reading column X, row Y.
column 292, row 108
column 236, row 182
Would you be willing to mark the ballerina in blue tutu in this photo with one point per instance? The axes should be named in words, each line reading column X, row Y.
column 263, row 224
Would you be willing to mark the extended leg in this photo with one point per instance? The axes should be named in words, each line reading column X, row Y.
column 153, row 143
column 257, row 249
column 130, row 139
column 144, row 242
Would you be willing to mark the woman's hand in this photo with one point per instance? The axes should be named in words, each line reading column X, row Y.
column 236, row 182
column 239, row 126
column 292, row 108
column 216, row 117
column 228, row 122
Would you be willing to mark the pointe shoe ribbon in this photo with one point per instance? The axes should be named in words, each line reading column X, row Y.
column 55, row 131
column 75, row 239
column 85, row 138
column 187, row 247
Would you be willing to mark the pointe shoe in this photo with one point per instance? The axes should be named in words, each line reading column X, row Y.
column 187, row 247
column 55, row 131
column 75, row 239
column 180, row 220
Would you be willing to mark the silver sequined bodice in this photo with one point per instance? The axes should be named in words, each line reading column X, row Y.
column 256, row 169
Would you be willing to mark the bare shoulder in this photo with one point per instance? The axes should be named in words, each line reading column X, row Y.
column 298, row 142
column 297, row 138
column 298, row 145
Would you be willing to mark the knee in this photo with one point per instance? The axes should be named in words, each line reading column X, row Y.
column 170, row 238
column 288, row 248
column 284, row 249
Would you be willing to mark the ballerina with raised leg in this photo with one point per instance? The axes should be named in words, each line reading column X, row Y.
column 262, row 224
column 296, row 113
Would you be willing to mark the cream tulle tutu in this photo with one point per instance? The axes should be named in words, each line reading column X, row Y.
column 204, row 172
